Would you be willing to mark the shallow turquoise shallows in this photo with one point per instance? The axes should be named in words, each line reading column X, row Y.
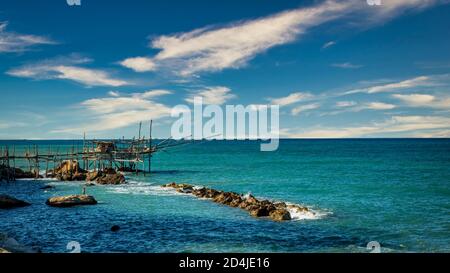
column 393, row 191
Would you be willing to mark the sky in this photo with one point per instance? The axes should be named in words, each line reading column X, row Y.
column 338, row 69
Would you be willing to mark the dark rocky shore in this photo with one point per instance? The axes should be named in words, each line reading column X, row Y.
column 70, row 170
column 11, row 173
column 278, row 211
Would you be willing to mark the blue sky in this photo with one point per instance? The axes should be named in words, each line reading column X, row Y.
column 336, row 68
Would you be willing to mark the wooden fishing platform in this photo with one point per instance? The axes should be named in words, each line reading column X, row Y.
column 127, row 155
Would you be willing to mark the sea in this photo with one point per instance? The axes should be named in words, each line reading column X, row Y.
column 394, row 193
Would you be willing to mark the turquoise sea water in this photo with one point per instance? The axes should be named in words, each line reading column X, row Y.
column 394, row 191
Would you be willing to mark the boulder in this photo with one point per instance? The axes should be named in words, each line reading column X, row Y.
column 236, row 202
column 170, row 185
column 297, row 208
column 92, row 176
column 199, row 192
column 111, row 179
column 280, row 205
column 8, row 202
column 71, row 200
column 260, row 211
column 280, row 215
column 211, row 193
column 68, row 170
column 223, row 198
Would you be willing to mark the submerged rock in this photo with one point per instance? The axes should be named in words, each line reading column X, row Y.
column 115, row 228
column 10, row 245
column 47, row 187
column 8, row 202
column 71, row 200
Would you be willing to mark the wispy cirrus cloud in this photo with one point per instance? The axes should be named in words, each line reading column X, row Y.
column 67, row 68
column 212, row 95
column 212, row 49
column 290, row 99
column 353, row 106
column 119, row 110
column 328, row 44
column 304, row 108
column 394, row 86
column 347, row 65
column 15, row 42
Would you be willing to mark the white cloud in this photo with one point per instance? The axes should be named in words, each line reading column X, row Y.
column 139, row 64
column 113, row 93
column 212, row 95
column 347, row 65
column 424, row 100
column 377, row 106
column 345, row 103
column 232, row 46
column 120, row 111
column 328, row 44
column 15, row 42
column 390, row 87
column 65, row 68
column 303, row 108
column 352, row 106
column 410, row 125
column 415, row 99
column 290, row 99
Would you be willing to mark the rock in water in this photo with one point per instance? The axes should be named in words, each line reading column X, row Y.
column 47, row 187
column 115, row 228
column 8, row 202
column 71, row 200
column 259, row 212
column 111, row 179
column 68, row 170
column 280, row 215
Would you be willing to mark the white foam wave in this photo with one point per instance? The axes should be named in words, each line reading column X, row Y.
column 310, row 214
column 142, row 188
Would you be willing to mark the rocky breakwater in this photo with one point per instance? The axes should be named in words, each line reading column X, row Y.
column 70, row 170
column 71, row 201
column 277, row 211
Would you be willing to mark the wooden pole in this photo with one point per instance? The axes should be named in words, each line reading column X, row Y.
column 150, row 147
